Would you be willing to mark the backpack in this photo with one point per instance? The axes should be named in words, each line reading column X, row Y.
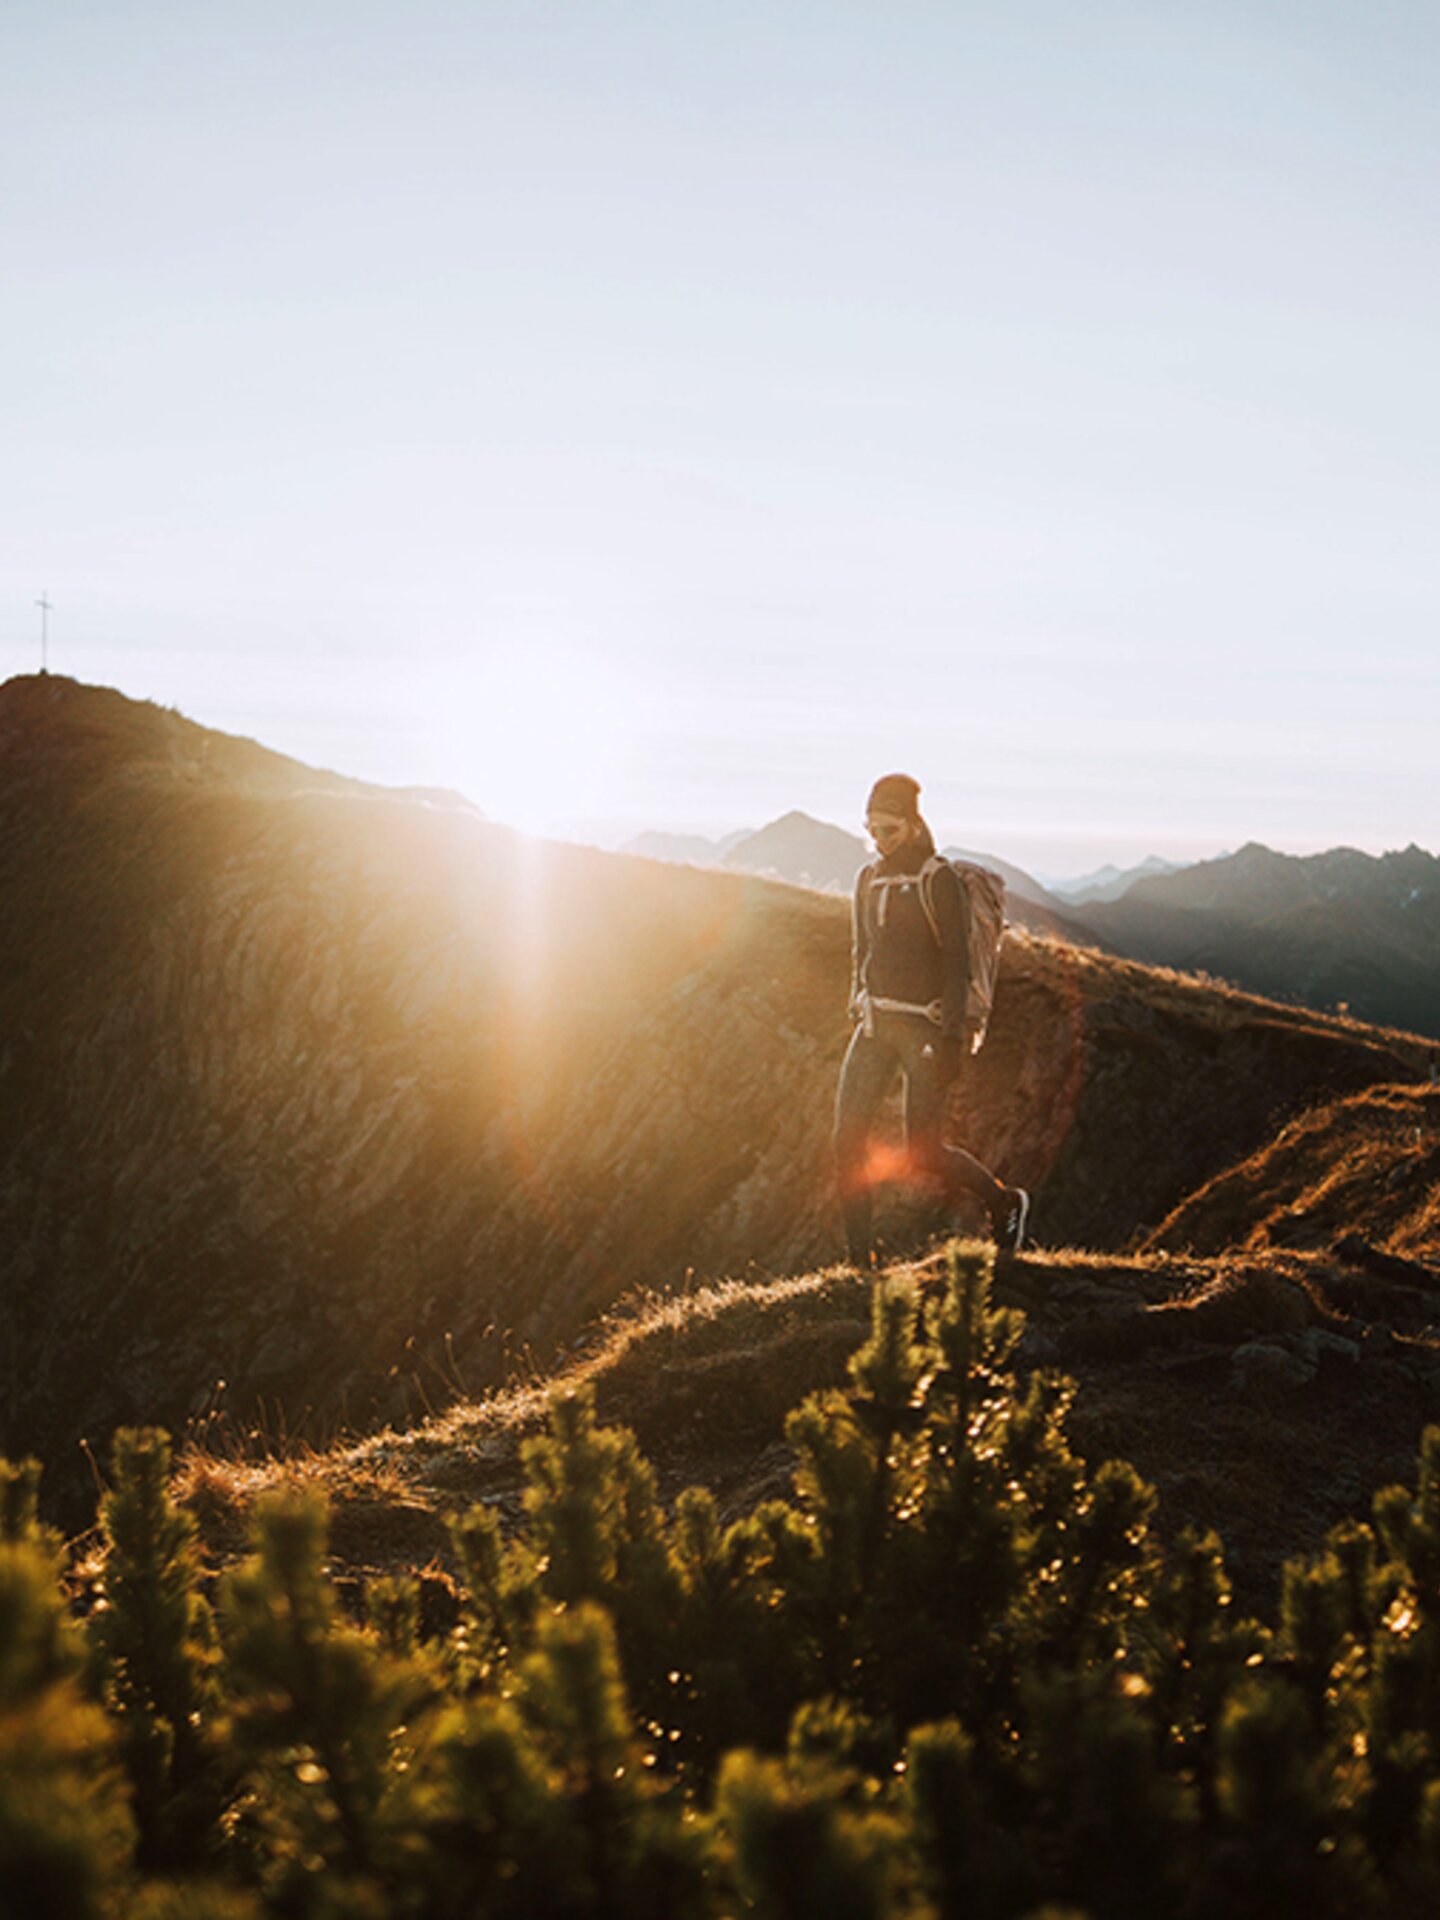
column 983, row 894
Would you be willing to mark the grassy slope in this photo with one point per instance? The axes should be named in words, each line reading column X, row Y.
column 1367, row 1166
column 332, row 966
column 1266, row 1395
column 326, row 1092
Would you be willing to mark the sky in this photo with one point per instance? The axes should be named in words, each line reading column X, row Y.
column 665, row 415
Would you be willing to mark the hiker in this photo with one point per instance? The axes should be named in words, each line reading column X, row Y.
column 909, row 988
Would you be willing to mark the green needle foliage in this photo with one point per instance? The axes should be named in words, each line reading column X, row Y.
column 154, row 1639
column 66, row 1835
column 321, row 1718
column 953, row 1675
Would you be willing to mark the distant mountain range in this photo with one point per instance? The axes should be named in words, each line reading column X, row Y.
column 796, row 847
column 1110, row 882
column 813, row 853
column 1340, row 931
column 688, row 849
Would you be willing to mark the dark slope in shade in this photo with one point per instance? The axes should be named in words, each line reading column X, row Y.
column 327, row 1092
column 1333, row 930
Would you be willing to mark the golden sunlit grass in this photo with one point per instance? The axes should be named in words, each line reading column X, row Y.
column 705, row 1379
column 390, row 946
column 1368, row 1165
column 221, row 1488
column 704, row 1371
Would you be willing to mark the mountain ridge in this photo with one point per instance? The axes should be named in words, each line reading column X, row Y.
column 337, row 1096
column 1109, row 882
column 1339, row 930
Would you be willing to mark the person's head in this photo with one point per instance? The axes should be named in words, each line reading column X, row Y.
column 892, row 813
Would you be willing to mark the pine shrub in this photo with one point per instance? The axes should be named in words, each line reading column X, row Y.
column 66, row 1835
column 154, row 1638
column 954, row 1675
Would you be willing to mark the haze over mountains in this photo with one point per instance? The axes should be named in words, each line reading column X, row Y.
column 341, row 1096
column 1109, row 882
column 1341, row 931
column 812, row 853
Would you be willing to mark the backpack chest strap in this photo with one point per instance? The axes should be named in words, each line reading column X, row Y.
column 922, row 880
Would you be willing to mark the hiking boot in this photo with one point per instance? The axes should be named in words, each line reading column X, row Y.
column 1008, row 1217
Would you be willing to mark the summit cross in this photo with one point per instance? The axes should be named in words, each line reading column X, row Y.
column 46, row 609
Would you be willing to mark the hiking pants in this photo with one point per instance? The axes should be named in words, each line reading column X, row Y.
column 904, row 1043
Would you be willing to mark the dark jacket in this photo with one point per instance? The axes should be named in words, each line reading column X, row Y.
column 894, row 953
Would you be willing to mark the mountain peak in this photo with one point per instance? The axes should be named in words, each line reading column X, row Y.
column 1338, row 929
column 50, row 722
column 799, row 848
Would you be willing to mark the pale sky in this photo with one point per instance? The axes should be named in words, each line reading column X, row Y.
column 670, row 414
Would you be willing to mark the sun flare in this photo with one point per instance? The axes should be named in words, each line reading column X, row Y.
column 535, row 735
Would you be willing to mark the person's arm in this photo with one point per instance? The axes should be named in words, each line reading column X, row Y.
column 952, row 917
column 859, row 938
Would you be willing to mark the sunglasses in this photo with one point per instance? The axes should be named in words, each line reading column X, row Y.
column 885, row 829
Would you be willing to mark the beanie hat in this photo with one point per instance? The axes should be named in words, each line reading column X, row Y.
column 896, row 793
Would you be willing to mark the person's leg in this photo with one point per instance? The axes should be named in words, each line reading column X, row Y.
column 868, row 1069
column 957, row 1171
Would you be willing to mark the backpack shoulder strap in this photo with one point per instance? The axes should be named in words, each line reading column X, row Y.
column 927, row 890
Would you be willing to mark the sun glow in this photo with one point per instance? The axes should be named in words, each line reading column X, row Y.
column 534, row 735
